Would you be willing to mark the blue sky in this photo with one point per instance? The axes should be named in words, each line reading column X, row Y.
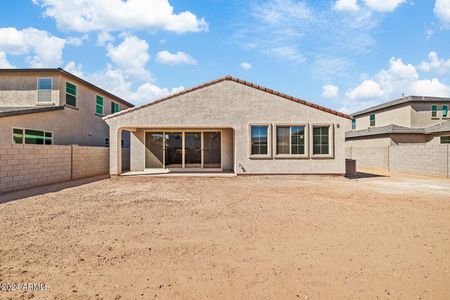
column 344, row 54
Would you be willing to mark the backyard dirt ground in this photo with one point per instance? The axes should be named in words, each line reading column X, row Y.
column 261, row 237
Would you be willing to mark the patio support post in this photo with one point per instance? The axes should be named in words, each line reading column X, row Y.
column 115, row 151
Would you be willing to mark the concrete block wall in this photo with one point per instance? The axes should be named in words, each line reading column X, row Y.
column 374, row 157
column 420, row 159
column 89, row 161
column 25, row 166
column 429, row 160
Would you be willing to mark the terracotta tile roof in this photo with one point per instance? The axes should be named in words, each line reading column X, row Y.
column 247, row 83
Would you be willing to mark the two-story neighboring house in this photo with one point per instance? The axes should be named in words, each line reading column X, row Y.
column 53, row 106
column 413, row 119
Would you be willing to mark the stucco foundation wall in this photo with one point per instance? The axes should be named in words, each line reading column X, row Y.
column 25, row 166
column 420, row 159
column 374, row 157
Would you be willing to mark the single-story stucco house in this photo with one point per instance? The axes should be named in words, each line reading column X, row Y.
column 231, row 125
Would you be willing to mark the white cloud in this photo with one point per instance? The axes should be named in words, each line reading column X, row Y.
column 4, row 63
column 165, row 57
column 74, row 68
column 117, row 82
column 77, row 41
column 279, row 11
column 118, row 15
column 330, row 91
column 289, row 53
column 367, row 89
column 246, row 66
column 346, row 5
column 131, row 56
column 42, row 49
column 103, row 38
column 442, row 11
column 388, row 84
column 383, row 5
column 434, row 63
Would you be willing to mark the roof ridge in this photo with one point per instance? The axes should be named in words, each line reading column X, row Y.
column 238, row 80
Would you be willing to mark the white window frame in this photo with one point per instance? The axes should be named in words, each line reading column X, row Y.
column 23, row 138
column 51, row 89
column 330, row 140
column 269, row 141
column 290, row 155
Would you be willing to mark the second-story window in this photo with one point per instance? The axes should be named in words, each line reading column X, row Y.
column 71, row 94
column 114, row 107
column 445, row 111
column 434, row 111
column 353, row 124
column 99, row 105
column 44, row 89
column 372, row 120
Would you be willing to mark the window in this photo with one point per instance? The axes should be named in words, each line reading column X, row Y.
column 106, row 142
column 372, row 120
column 353, row 124
column 32, row 136
column 115, row 107
column 434, row 111
column 445, row 111
column 44, row 89
column 71, row 94
column 445, row 139
column 260, row 140
column 321, row 140
column 291, row 140
column 99, row 105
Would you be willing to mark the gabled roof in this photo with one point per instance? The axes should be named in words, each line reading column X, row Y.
column 6, row 111
column 234, row 79
column 72, row 76
column 400, row 101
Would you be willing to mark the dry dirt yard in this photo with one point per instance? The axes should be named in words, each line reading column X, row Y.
column 262, row 237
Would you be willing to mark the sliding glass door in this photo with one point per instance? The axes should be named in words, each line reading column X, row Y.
column 173, row 149
column 183, row 149
column 193, row 150
column 154, row 150
column 212, row 155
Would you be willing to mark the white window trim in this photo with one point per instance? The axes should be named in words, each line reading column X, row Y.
column 65, row 94
column 23, row 138
column 330, row 140
column 269, row 141
column 276, row 155
column 38, row 89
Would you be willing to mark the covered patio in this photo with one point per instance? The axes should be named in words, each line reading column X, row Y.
column 179, row 150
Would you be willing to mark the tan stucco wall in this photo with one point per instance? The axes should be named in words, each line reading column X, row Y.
column 369, row 141
column 421, row 114
column 232, row 105
column 415, row 115
column 400, row 115
column 78, row 125
column 19, row 89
